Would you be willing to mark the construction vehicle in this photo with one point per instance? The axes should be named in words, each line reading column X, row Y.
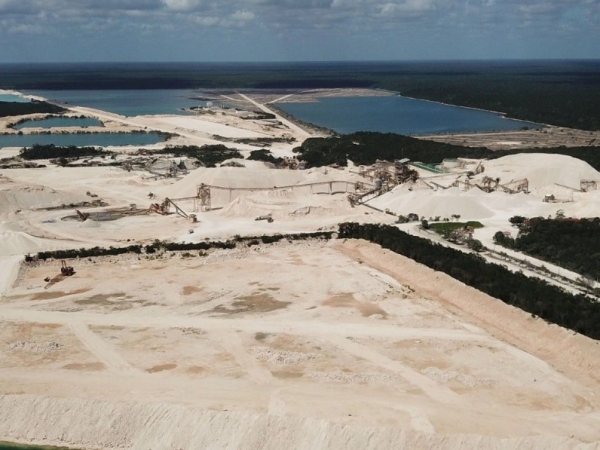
column 65, row 271
column 266, row 217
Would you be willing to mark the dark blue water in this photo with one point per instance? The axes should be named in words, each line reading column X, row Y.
column 127, row 102
column 54, row 122
column 80, row 140
column 396, row 114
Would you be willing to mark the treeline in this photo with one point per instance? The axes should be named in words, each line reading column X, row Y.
column 568, row 243
column 50, row 151
column 264, row 155
column 208, row 155
column 161, row 246
column 19, row 109
column 567, row 101
column 576, row 312
column 364, row 148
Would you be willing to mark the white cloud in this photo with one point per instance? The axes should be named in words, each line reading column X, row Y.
column 407, row 6
column 316, row 22
column 207, row 21
column 242, row 16
column 182, row 5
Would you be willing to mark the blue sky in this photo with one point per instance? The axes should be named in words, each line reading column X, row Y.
column 296, row 30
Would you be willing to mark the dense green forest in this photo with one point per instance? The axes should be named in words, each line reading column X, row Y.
column 564, row 93
column 208, row 155
column 264, row 155
column 364, row 148
column 19, row 109
column 50, row 151
column 533, row 295
column 568, row 243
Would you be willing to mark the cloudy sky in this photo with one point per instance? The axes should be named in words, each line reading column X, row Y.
column 296, row 30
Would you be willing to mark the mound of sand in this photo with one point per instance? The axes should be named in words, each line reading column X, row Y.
column 585, row 205
column 256, row 177
column 468, row 205
column 18, row 242
column 231, row 177
column 318, row 211
column 286, row 205
column 542, row 170
column 23, row 197
column 246, row 207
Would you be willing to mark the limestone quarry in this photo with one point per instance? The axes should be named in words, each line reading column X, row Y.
column 310, row 344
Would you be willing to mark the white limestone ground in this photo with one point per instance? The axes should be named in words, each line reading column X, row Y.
column 218, row 354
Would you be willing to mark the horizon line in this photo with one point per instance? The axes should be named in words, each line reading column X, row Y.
column 362, row 61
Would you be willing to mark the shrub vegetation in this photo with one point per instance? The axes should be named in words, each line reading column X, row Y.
column 364, row 148
column 21, row 109
column 568, row 243
column 208, row 155
column 51, row 151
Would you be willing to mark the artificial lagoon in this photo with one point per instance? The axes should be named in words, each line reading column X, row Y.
column 397, row 114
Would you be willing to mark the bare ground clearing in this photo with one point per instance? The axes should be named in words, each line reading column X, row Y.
column 325, row 344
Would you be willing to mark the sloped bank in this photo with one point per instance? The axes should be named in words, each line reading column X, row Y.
column 95, row 424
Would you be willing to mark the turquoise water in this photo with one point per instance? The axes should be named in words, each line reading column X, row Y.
column 396, row 114
column 13, row 98
column 80, row 140
column 128, row 102
column 53, row 122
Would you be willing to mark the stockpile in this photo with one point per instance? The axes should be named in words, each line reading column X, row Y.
column 545, row 172
column 542, row 170
column 23, row 197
